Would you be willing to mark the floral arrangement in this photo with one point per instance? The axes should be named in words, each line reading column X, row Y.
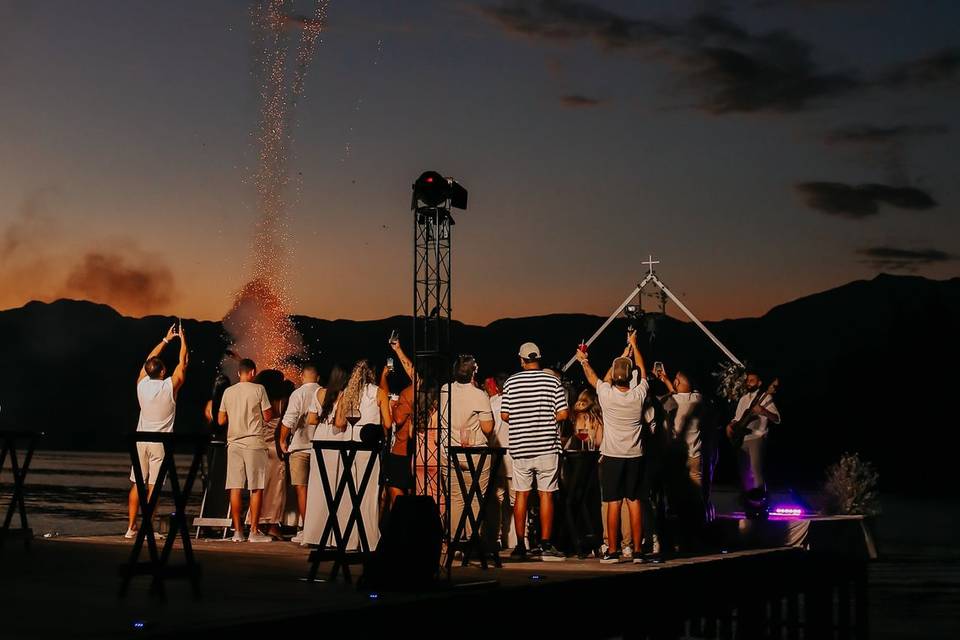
column 851, row 487
column 731, row 380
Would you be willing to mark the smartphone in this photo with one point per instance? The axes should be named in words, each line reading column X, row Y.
column 176, row 327
column 390, row 364
column 658, row 367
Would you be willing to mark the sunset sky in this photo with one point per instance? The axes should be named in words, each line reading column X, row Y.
column 762, row 150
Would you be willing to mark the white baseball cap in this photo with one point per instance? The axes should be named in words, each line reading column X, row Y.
column 529, row 351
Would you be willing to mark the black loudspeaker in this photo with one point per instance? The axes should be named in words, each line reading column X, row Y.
column 408, row 554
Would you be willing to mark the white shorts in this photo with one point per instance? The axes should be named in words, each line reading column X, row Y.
column 545, row 469
column 151, row 457
column 246, row 468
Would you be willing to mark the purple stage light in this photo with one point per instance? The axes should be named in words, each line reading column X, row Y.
column 787, row 510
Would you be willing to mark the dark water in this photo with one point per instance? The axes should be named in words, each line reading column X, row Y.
column 914, row 586
column 79, row 493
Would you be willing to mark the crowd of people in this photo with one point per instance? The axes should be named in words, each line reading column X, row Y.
column 648, row 443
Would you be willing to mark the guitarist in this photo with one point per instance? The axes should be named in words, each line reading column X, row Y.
column 755, row 411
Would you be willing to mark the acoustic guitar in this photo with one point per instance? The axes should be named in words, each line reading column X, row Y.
column 741, row 428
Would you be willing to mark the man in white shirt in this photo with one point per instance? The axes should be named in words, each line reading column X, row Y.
column 472, row 420
column 685, row 405
column 750, row 456
column 296, row 436
column 621, row 466
column 157, row 395
column 685, row 408
column 245, row 409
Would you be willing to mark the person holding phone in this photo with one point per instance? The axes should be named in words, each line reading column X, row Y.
column 685, row 408
column 157, row 395
column 622, row 464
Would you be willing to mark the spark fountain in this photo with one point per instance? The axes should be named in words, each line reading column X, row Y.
column 259, row 322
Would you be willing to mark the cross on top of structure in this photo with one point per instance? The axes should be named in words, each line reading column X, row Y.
column 650, row 262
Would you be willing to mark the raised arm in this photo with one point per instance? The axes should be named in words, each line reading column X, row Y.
column 157, row 350
column 180, row 373
column 384, row 384
column 626, row 354
column 383, row 401
column 405, row 361
column 637, row 356
column 665, row 379
column 588, row 371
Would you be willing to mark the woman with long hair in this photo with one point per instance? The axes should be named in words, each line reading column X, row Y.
column 363, row 402
column 587, row 421
column 398, row 468
column 322, row 413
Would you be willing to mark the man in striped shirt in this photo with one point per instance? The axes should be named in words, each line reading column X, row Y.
column 533, row 403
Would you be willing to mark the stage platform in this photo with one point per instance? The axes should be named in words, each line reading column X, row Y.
column 68, row 587
column 848, row 535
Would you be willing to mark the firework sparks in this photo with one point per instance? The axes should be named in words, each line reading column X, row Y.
column 348, row 145
column 259, row 321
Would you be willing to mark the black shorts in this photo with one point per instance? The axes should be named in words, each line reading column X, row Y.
column 621, row 478
column 397, row 472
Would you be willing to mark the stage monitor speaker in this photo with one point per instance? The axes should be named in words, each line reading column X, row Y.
column 408, row 554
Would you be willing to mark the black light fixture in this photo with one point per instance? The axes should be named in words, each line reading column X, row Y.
column 433, row 190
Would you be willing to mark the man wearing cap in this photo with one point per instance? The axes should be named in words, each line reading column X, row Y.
column 533, row 403
column 621, row 466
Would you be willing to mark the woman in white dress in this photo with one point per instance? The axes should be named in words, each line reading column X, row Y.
column 361, row 404
column 323, row 413
column 275, row 491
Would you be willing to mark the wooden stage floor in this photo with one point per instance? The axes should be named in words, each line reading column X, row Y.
column 68, row 588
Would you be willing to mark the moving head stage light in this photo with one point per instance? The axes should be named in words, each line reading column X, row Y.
column 433, row 190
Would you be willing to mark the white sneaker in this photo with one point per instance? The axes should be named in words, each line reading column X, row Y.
column 238, row 537
column 297, row 539
column 131, row 533
column 259, row 537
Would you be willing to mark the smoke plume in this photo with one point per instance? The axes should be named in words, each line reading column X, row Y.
column 132, row 282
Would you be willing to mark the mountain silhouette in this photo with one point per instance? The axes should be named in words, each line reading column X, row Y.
column 870, row 366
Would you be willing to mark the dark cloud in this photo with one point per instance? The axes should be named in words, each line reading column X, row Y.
column 132, row 282
column 861, row 201
column 900, row 259
column 576, row 101
column 865, row 134
column 571, row 20
column 938, row 68
column 773, row 72
column 732, row 69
